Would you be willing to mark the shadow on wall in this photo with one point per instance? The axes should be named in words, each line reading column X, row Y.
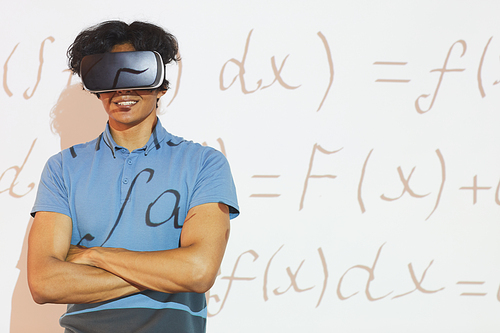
column 77, row 117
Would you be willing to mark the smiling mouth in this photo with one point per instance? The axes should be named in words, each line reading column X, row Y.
column 127, row 103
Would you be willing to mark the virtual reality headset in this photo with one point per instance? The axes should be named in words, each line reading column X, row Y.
column 122, row 71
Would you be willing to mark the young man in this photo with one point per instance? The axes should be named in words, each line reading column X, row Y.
column 130, row 228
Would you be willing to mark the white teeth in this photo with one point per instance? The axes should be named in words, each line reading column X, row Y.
column 127, row 103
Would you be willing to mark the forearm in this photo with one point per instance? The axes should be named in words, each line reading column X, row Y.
column 171, row 271
column 57, row 281
column 189, row 268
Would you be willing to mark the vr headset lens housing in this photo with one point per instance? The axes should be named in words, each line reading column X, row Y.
column 122, row 70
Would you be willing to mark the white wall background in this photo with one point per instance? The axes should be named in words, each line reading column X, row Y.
column 377, row 134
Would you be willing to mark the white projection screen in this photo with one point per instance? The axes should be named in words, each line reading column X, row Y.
column 363, row 137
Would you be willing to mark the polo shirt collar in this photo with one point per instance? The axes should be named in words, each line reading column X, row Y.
column 158, row 137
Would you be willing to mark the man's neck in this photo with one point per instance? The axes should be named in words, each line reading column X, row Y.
column 132, row 137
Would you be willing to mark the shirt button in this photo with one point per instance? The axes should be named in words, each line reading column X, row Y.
column 129, row 162
column 125, row 181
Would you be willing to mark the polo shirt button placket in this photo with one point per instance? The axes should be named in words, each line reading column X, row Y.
column 127, row 173
column 128, row 162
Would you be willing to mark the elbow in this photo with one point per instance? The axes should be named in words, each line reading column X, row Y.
column 41, row 292
column 203, row 286
column 36, row 287
column 202, row 280
column 44, row 296
column 37, row 293
column 38, row 298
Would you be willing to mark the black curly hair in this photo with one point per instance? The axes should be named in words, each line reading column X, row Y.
column 142, row 35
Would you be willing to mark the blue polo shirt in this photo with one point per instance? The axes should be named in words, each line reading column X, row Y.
column 138, row 201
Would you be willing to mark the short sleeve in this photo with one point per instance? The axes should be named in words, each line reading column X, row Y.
column 214, row 183
column 52, row 194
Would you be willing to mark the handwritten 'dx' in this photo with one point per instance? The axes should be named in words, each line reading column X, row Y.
column 277, row 72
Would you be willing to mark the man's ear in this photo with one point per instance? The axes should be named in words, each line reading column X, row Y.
column 160, row 94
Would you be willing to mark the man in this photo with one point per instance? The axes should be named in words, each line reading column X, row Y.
column 130, row 229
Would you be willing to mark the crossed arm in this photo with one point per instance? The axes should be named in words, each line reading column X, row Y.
column 59, row 272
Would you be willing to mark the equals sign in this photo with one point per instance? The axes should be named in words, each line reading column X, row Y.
column 391, row 63
column 476, row 283
column 265, row 195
